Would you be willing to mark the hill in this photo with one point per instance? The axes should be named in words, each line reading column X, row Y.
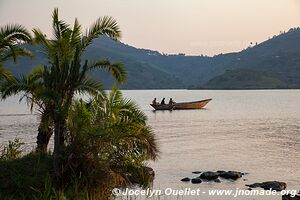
column 274, row 63
column 245, row 79
column 277, row 58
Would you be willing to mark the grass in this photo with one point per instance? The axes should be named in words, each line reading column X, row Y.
column 22, row 177
column 27, row 177
column 31, row 177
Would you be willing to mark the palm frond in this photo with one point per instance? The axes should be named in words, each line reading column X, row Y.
column 36, row 73
column 117, row 70
column 28, row 84
column 130, row 111
column 76, row 34
column 11, row 36
column 41, row 39
column 89, row 86
column 115, row 96
column 5, row 74
column 13, row 86
column 14, row 52
column 60, row 28
column 13, row 33
column 103, row 26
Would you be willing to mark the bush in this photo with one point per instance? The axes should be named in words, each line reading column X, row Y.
column 109, row 144
column 22, row 177
column 11, row 151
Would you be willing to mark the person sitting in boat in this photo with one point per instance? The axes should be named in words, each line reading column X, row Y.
column 171, row 102
column 154, row 102
column 163, row 101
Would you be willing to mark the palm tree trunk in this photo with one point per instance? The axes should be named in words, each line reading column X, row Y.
column 44, row 135
column 59, row 132
column 44, row 131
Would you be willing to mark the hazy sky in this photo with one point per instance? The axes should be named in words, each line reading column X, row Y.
column 170, row 26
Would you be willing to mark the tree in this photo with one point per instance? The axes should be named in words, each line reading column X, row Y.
column 54, row 86
column 11, row 36
column 109, row 134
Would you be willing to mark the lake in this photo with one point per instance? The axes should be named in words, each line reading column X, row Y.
column 253, row 131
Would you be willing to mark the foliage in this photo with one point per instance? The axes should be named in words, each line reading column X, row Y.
column 107, row 146
column 108, row 138
column 11, row 151
column 11, row 36
column 30, row 177
column 24, row 176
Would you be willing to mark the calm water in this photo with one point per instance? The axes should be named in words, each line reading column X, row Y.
column 257, row 132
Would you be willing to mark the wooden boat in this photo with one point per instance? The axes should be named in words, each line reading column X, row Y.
column 182, row 106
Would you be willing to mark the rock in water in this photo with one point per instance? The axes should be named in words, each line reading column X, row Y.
column 274, row 185
column 196, row 172
column 209, row 176
column 231, row 175
column 217, row 180
column 254, row 185
column 196, row 180
column 221, row 172
column 291, row 197
column 185, row 179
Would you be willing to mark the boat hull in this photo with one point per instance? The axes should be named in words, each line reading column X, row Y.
column 192, row 105
column 162, row 107
column 182, row 106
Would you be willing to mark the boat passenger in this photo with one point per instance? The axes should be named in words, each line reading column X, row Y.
column 171, row 102
column 163, row 101
column 154, row 102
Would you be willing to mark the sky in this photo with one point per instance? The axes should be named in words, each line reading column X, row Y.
column 193, row 27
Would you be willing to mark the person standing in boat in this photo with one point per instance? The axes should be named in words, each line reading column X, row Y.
column 163, row 101
column 171, row 102
column 154, row 102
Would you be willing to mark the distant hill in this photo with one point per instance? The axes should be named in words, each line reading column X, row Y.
column 245, row 79
column 274, row 63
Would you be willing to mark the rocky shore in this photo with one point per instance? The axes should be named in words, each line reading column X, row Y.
column 213, row 176
column 217, row 176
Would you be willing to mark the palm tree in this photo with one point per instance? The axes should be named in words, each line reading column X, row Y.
column 110, row 133
column 11, row 36
column 55, row 85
